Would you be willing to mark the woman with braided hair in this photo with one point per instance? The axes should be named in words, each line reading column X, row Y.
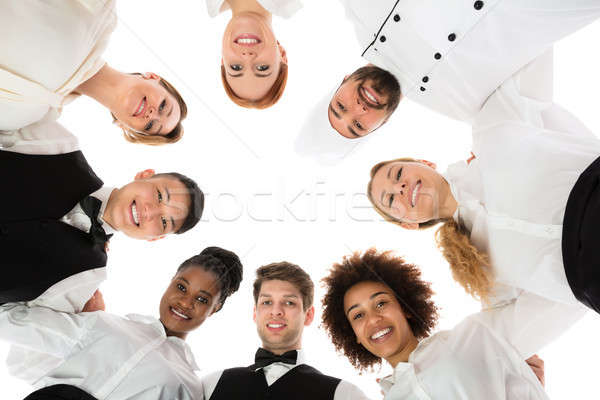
column 136, row 357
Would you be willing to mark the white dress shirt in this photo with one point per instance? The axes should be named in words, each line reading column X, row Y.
column 512, row 196
column 344, row 391
column 281, row 8
column 483, row 357
column 108, row 356
column 47, row 49
column 451, row 55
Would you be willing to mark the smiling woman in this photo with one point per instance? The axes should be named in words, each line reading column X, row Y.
column 254, row 66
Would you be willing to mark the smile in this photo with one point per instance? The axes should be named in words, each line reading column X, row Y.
column 276, row 326
column 134, row 214
column 381, row 334
column 415, row 193
column 179, row 313
column 369, row 96
column 247, row 39
column 141, row 107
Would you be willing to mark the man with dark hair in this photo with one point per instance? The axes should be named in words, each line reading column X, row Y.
column 283, row 306
column 67, row 229
column 449, row 56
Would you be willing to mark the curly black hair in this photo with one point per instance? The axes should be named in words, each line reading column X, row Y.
column 413, row 294
column 226, row 266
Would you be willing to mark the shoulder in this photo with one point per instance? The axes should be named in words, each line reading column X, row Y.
column 282, row 8
column 214, row 7
column 349, row 391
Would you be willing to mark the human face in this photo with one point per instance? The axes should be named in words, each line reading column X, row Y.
column 378, row 321
column 146, row 106
column 251, row 56
column 192, row 296
column 363, row 102
column 410, row 192
column 279, row 316
column 149, row 207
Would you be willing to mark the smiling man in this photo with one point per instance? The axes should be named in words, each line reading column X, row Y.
column 60, row 215
column 283, row 298
column 447, row 56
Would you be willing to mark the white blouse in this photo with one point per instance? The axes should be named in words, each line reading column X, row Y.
column 512, row 196
column 47, row 49
column 281, row 8
column 110, row 357
column 451, row 55
column 483, row 357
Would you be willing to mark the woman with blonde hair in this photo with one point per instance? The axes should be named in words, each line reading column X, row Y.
column 43, row 69
column 520, row 213
column 254, row 65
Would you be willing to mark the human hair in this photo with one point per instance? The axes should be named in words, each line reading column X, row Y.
column 196, row 200
column 226, row 266
column 133, row 136
column 469, row 266
column 404, row 280
column 286, row 271
column 383, row 81
column 269, row 99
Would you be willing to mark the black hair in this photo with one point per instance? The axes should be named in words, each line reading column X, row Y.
column 196, row 200
column 225, row 264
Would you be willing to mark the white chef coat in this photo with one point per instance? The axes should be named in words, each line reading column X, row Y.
column 344, row 391
column 281, row 8
column 483, row 357
column 451, row 55
column 108, row 356
column 47, row 49
column 512, row 196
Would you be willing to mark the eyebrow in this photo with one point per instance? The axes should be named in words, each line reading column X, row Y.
column 334, row 112
column 352, row 132
column 370, row 298
column 170, row 112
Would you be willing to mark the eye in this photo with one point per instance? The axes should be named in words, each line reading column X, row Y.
column 341, row 106
column 164, row 223
column 202, row 300
column 391, row 200
column 159, row 196
column 149, row 126
column 181, row 287
column 262, row 68
column 290, row 303
column 236, row 67
column 357, row 316
column 162, row 105
column 380, row 304
column 266, row 303
column 359, row 126
column 399, row 174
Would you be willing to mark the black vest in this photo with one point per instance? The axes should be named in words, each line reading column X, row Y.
column 37, row 249
column 60, row 392
column 581, row 237
column 300, row 383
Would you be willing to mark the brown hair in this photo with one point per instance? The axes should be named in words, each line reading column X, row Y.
column 413, row 294
column 286, row 271
column 134, row 136
column 272, row 96
column 469, row 266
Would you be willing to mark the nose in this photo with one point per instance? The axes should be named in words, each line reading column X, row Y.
column 360, row 108
column 401, row 187
column 248, row 54
column 186, row 302
column 150, row 111
column 277, row 310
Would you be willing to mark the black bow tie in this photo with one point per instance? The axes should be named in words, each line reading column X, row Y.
column 91, row 207
column 265, row 357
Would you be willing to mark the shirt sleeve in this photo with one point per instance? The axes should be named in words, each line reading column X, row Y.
column 44, row 137
column 209, row 383
column 347, row 391
column 530, row 322
column 44, row 330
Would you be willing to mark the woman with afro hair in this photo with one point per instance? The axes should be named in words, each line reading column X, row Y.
column 377, row 307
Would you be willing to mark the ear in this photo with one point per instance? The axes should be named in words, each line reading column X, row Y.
column 428, row 163
column 282, row 53
column 310, row 316
column 411, row 226
column 156, row 238
column 145, row 174
column 150, row 75
column 218, row 308
column 254, row 313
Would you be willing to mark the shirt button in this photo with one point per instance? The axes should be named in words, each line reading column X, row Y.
column 452, row 37
column 422, row 89
column 382, row 39
column 396, row 18
column 478, row 5
column 437, row 56
column 425, row 79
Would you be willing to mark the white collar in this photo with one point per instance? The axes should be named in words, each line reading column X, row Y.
column 103, row 194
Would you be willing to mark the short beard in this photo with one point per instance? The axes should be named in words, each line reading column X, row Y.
column 383, row 82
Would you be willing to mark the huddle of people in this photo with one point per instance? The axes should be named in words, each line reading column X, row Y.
column 516, row 220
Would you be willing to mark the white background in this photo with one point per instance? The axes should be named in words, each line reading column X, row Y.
column 244, row 161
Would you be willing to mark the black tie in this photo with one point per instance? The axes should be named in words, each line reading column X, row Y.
column 265, row 357
column 91, row 207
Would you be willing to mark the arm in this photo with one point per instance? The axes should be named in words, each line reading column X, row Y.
column 44, row 330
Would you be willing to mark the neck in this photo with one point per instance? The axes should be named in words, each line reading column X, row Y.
column 449, row 204
column 180, row 335
column 248, row 6
column 403, row 353
column 280, row 351
column 108, row 211
column 104, row 87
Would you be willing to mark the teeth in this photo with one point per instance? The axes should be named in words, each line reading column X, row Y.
column 414, row 195
column 136, row 219
column 247, row 41
column 381, row 333
column 179, row 314
column 275, row 325
column 141, row 107
column 370, row 96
